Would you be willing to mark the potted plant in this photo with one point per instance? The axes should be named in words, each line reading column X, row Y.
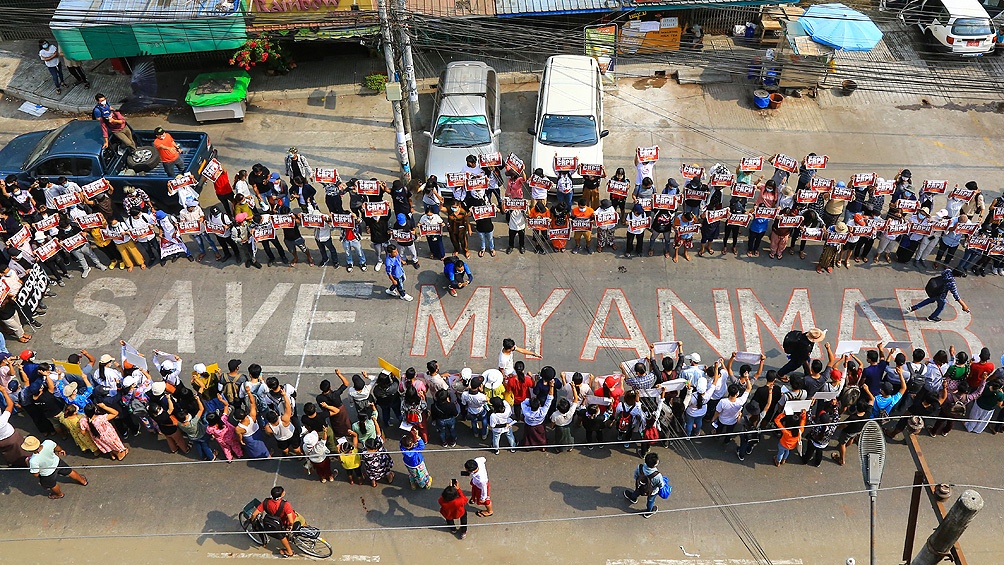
column 260, row 51
column 377, row 82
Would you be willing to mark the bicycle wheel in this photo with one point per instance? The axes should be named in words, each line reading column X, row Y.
column 258, row 538
column 314, row 547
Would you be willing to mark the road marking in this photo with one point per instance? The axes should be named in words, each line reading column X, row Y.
column 240, row 337
column 180, row 297
column 596, row 338
column 227, row 555
column 724, row 343
column 533, row 324
column 700, row 562
column 752, row 311
column 306, row 315
column 431, row 314
column 293, row 369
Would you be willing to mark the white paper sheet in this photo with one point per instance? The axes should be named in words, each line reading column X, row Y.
column 796, row 406
column 748, row 357
column 627, row 367
column 599, row 400
column 904, row 346
column 648, row 26
column 130, row 354
column 675, row 384
column 852, row 346
column 825, row 395
column 665, row 348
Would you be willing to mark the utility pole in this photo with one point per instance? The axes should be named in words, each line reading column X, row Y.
column 388, row 55
column 944, row 537
column 409, row 103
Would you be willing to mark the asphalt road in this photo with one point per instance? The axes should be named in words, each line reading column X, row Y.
column 583, row 313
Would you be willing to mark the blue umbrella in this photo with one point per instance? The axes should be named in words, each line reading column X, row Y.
column 840, row 27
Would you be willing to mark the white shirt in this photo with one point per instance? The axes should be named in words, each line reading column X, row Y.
column 45, row 461
column 42, row 53
column 6, row 430
column 702, row 388
column 506, row 363
column 517, row 220
column 479, row 478
column 242, row 187
column 538, row 193
column 250, row 429
column 280, row 431
column 436, row 383
column 475, row 402
column 643, row 170
column 563, row 419
column 565, row 185
column 499, row 418
column 728, row 410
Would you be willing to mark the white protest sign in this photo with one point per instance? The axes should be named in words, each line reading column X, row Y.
column 796, row 406
column 627, row 367
column 748, row 357
column 825, row 395
column 134, row 357
column 665, row 347
column 599, row 400
column 675, row 384
column 849, row 347
column 904, row 346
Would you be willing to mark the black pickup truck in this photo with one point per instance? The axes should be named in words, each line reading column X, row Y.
column 75, row 151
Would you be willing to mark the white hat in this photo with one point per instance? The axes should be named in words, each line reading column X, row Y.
column 199, row 368
column 466, row 373
column 70, row 389
column 169, row 365
column 39, row 236
column 695, row 358
column 158, row 388
column 130, row 381
column 493, row 378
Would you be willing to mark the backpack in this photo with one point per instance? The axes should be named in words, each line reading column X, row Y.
column 624, row 422
column 916, row 382
column 643, row 484
column 790, row 344
column 272, row 522
column 413, row 414
column 935, row 287
column 231, row 390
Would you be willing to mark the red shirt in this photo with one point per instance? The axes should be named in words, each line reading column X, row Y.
column 520, row 389
column 978, row 373
column 453, row 509
column 222, row 184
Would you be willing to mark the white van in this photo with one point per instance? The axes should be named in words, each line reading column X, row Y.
column 569, row 120
column 961, row 27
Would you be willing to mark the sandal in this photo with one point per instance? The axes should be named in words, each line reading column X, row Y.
column 482, row 514
column 492, row 253
column 836, row 458
column 53, row 496
column 481, row 253
column 801, row 254
column 24, row 338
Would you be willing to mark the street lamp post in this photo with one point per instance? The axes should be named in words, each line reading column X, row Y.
column 871, row 448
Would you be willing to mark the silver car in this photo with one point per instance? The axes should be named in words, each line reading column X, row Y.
column 465, row 119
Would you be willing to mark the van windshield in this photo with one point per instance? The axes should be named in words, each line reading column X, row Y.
column 568, row 131
column 462, row 131
column 972, row 26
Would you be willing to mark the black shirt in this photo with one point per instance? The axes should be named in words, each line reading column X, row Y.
column 379, row 232
column 760, row 396
column 444, row 410
column 165, row 423
column 317, row 421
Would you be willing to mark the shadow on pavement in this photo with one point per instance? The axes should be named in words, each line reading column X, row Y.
column 217, row 521
column 588, row 497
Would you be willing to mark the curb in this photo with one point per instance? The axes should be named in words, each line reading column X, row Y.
column 50, row 103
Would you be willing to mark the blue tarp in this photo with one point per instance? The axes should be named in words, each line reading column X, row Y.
column 840, row 27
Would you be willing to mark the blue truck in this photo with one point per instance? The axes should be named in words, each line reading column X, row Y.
column 75, row 151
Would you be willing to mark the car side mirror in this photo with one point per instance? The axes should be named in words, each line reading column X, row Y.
column 427, row 133
column 497, row 132
column 531, row 131
column 604, row 133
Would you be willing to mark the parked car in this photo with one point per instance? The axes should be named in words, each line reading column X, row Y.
column 75, row 151
column 569, row 120
column 960, row 27
column 465, row 118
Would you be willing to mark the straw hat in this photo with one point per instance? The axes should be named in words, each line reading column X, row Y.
column 816, row 335
column 493, row 378
column 31, row 444
column 840, row 227
column 787, row 190
column 70, row 389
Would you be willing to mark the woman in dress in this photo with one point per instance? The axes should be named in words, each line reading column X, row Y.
column 101, row 430
column 828, row 258
column 219, row 426
column 416, row 411
column 411, row 450
column 249, row 431
column 70, row 418
column 377, row 463
column 459, row 227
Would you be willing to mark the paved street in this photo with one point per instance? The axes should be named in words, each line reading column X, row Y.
column 584, row 313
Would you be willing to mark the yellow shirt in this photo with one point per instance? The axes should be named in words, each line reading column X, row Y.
column 351, row 460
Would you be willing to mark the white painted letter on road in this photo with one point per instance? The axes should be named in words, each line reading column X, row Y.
column 66, row 333
column 753, row 312
column 240, row 338
column 595, row 339
column 180, row 295
column 306, row 314
column 432, row 315
column 533, row 324
column 724, row 343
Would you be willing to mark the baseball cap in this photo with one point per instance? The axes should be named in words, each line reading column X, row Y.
column 273, row 177
column 26, row 355
column 695, row 358
column 158, row 388
column 158, row 130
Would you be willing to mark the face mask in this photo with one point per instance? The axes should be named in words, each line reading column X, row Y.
column 45, row 46
column 454, row 208
column 581, row 209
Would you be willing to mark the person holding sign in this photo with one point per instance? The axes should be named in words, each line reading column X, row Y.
column 791, row 432
column 606, row 222
column 828, row 258
column 637, row 221
column 684, row 237
column 591, row 190
column 485, row 227
column 403, row 232
column 194, row 214
column 888, row 241
column 643, row 170
column 70, row 232
column 540, row 220
column 560, row 225
column 662, row 227
column 617, row 197
column 125, row 246
column 431, row 224
column 564, row 187
column 516, row 219
column 583, row 213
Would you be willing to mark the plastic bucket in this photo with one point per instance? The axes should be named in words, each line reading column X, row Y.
column 775, row 100
column 848, row 87
column 761, row 98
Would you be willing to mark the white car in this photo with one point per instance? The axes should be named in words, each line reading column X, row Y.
column 961, row 27
column 569, row 120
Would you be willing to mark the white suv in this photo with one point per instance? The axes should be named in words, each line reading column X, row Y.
column 961, row 27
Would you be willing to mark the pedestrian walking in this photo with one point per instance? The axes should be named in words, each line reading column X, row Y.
column 411, row 451
column 395, row 272
column 648, row 481
column 46, row 464
column 937, row 293
column 480, row 487
column 453, row 507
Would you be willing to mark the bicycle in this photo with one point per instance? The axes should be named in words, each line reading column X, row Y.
column 306, row 538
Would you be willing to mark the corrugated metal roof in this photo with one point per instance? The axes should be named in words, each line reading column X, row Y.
column 452, row 8
column 541, row 7
column 104, row 12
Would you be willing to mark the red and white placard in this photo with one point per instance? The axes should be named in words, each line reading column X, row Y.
column 369, row 187
column 280, row 221
column 638, row 223
column 64, row 201
column 740, row 219
column 647, row 154
column 812, row 234
column 312, row 220
column 482, row 212
column 816, row 162
column 46, row 223
column 47, row 250
column 665, row 201
column 717, row 215
column 836, row 238
column 789, row 221
column 618, row 188
column 743, row 190
column 785, row 163
column 963, row 194
column 91, row 221
column 820, row 184
column 179, row 182
column 862, row 179
column 514, row 164
column 893, row 227
column 751, row 164
column 581, row 224
column 691, row 171
column 190, row 226
column 490, row 159
column 764, row 213
column 329, row 175
column 539, row 223
column 862, row 231
column 722, row 179
column 376, row 209
column 883, row 187
column 213, row 170
column 426, row 230
column 908, row 205
column 346, row 221
column 541, row 183
column 477, row 182
column 844, row 193
column 806, row 196
column 559, row 234
column 95, row 188
column 590, row 170
column 934, row 186
column 514, row 204
column 605, row 219
column 74, row 241
column 568, row 164
column 646, row 204
column 966, row 228
column 215, row 229
column 262, row 232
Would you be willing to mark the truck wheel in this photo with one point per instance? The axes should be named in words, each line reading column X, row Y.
column 143, row 159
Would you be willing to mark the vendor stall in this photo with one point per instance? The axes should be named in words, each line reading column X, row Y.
column 219, row 96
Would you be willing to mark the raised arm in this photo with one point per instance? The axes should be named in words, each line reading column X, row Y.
column 759, row 368
column 830, row 357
